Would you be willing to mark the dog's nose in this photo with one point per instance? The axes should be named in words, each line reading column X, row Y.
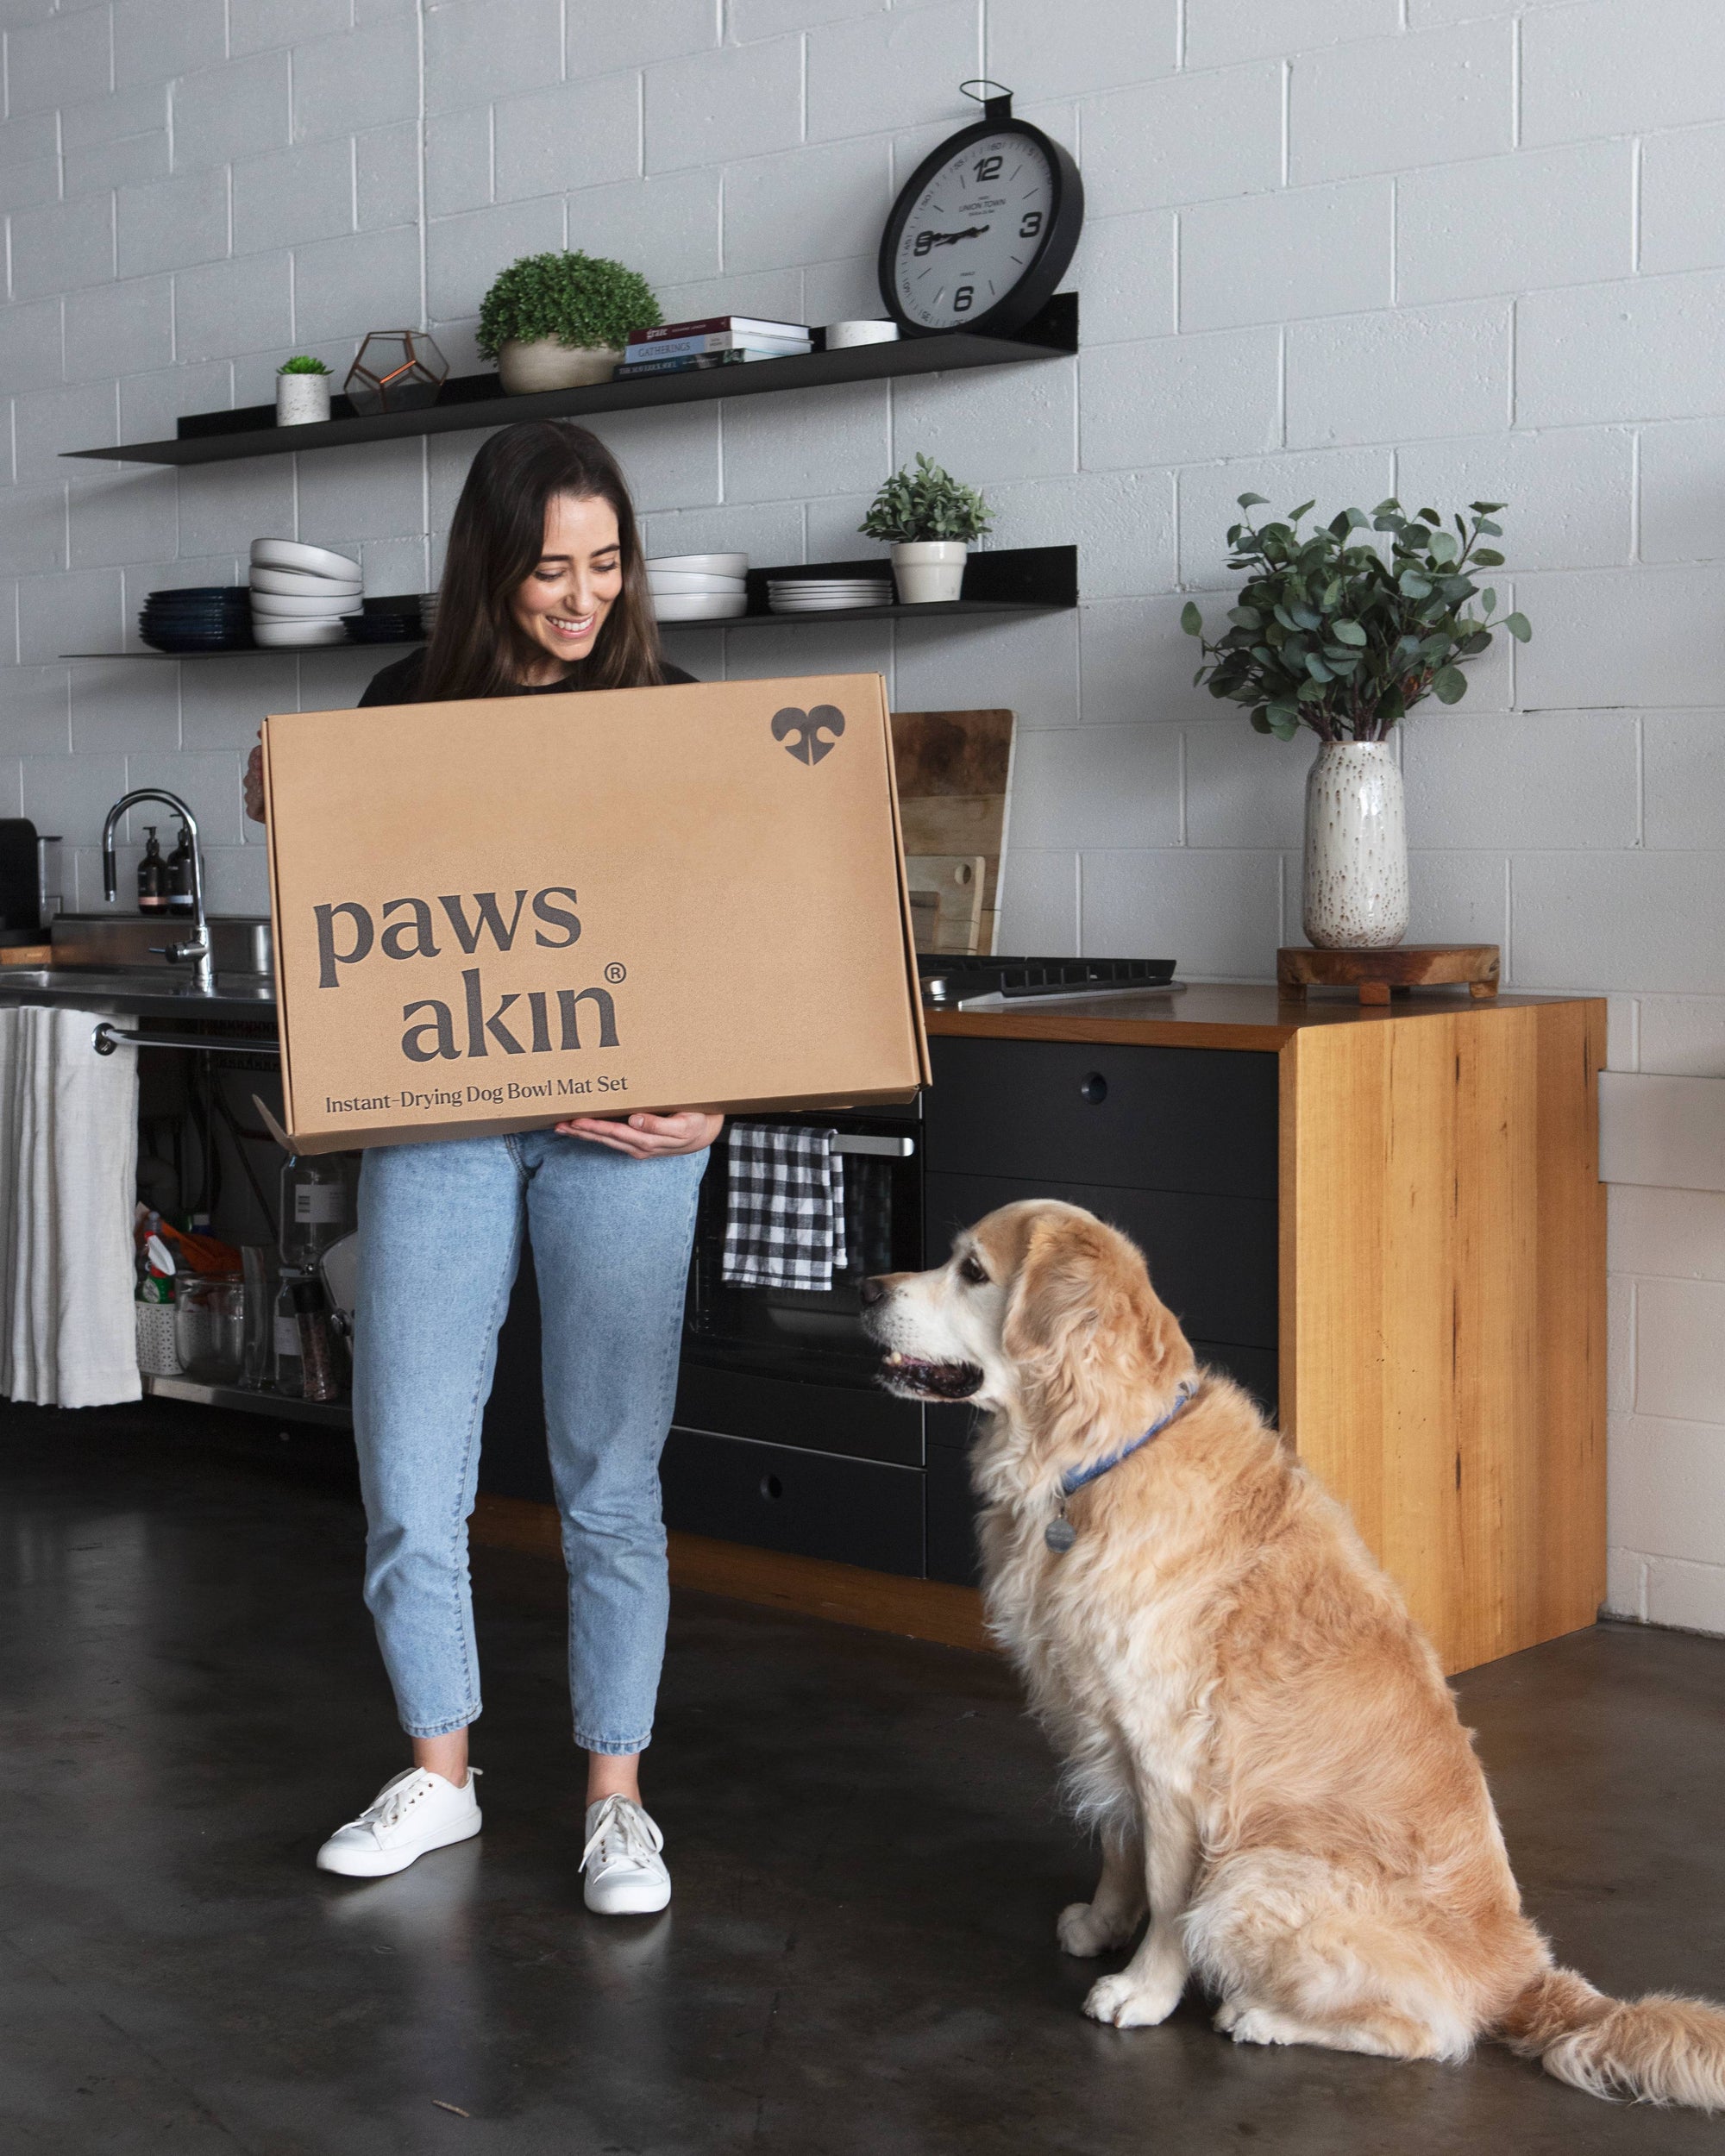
column 870, row 1292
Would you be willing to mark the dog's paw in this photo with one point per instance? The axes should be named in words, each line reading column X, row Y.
column 1257, row 2025
column 1126, row 2002
column 1083, row 1933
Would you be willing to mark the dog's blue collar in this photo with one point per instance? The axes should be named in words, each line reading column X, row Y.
column 1075, row 1478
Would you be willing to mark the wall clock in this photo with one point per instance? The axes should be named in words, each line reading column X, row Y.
column 983, row 229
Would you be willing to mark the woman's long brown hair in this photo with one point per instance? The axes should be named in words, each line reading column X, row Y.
column 497, row 540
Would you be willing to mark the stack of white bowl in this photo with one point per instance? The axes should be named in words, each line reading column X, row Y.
column 300, row 593
column 698, row 587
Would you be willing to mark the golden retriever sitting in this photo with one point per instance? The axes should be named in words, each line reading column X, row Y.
column 1245, row 1709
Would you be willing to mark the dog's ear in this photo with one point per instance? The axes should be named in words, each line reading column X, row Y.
column 1055, row 1291
column 1084, row 1320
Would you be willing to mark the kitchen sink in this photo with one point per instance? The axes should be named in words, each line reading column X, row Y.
column 117, row 943
column 156, row 991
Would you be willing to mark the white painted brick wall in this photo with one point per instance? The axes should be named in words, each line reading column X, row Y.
column 1450, row 249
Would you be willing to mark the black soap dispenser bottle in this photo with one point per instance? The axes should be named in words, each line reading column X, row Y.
column 152, row 876
column 178, row 884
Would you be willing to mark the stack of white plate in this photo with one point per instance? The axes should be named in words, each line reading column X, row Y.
column 698, row 587
column 300, row 593
column 827, row 594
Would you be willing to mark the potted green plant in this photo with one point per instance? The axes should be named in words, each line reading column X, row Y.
column 560, row 321
column 931, row 519
column 302, row 391
column 1345, row 636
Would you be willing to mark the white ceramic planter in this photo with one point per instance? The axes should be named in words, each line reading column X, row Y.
column 525, row 369
column 929, row 570
column 301, row 399
column 1356, row 885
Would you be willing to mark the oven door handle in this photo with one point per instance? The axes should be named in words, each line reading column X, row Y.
column 884, row 1148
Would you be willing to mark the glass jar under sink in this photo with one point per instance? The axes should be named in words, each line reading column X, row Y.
column 210, row 1326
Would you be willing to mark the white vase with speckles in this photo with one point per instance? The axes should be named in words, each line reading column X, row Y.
column 1356, row 894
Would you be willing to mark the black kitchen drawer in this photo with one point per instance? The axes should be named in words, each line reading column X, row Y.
column 853, row 1419
column 1213, row 1259
column 807, row 1503
column 1254, row 1367
column 950, row 1521
column 1147, row 1118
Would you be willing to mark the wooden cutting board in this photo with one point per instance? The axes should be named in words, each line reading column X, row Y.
column 954, row 770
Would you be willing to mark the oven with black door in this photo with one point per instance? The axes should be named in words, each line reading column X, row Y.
column 782, row 1435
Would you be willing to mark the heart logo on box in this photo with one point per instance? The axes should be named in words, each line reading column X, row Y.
column 808, row 727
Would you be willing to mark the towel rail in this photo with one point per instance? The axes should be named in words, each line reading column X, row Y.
column 107, row 1038
column 887, row 1148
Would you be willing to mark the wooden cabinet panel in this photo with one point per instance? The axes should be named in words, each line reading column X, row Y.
column 1443, row 1309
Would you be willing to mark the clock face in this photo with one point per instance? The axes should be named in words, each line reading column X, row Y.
column 974, row 230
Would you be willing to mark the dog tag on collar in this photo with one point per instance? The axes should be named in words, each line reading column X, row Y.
column 1060, row 1534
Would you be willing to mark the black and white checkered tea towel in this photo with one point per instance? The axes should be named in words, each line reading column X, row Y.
column 784, row 1222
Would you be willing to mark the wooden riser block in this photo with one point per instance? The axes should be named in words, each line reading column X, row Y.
column 1378, row 974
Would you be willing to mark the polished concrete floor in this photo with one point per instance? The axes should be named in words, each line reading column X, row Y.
column 866, row 1851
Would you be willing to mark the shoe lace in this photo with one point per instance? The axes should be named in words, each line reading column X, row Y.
column 622, row 1834
column 386, row 1808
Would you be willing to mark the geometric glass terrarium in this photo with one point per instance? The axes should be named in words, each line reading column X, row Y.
column 397, row 370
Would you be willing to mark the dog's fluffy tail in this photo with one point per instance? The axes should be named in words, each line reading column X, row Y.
column 1659, row 2049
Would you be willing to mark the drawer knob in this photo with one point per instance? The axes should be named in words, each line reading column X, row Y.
column 1095, row 1088
column 771, row 1487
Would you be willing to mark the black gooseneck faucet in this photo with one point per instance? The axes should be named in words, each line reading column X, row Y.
column 197, row 948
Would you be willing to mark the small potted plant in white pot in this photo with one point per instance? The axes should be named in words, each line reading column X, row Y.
column 560, row 321
column 1330, row 632
column 931, row 519
column 302, row 391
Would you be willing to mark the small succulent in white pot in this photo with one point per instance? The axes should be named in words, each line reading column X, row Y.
column 1345, row 638
column 302, row 391
column 931, row 518
column 560, row 321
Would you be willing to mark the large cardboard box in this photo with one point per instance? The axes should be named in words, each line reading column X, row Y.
column 490, row 917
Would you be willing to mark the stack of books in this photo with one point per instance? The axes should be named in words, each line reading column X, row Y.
column 681, row 348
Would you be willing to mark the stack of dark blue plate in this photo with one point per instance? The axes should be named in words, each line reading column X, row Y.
column 198, row 617
column 391, row 618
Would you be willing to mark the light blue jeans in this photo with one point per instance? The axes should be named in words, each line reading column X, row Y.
column 440, row 1230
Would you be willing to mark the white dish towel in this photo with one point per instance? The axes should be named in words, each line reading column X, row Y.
column 68, row 1177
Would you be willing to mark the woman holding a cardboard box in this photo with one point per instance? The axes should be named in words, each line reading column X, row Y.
column 543, row 591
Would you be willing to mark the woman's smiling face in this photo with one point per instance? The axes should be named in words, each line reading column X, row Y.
column 562, row 605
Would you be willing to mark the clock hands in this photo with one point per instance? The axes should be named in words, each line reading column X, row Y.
column 925, row 241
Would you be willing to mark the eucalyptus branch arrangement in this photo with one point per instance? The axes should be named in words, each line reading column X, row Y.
column 1332, row 634
column 927, row 504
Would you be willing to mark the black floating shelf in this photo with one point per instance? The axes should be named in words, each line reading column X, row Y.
column 1011, row 580
column 478, row 400
column 1014, row 581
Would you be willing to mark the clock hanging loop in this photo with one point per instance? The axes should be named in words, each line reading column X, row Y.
column 999, row 107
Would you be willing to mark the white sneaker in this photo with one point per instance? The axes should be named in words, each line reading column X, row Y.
column 417, row 1811
column 625, row 1874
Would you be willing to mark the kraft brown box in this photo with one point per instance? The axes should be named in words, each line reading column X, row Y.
column 493, row 916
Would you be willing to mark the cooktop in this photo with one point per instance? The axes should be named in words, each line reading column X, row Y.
column 959, row 982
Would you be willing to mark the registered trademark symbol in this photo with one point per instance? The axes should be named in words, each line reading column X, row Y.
column 614, row 972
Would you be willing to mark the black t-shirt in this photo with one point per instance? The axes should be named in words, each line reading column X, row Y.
column 399, row 683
